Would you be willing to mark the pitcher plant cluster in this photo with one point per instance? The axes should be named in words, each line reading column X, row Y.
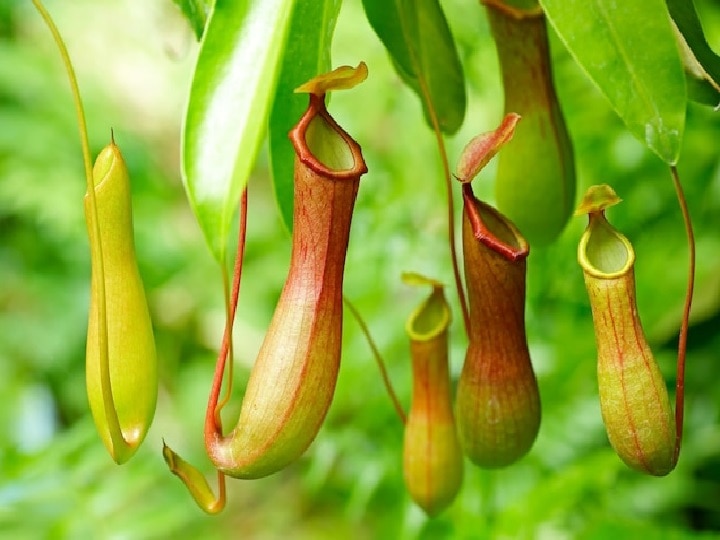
column 492, row 413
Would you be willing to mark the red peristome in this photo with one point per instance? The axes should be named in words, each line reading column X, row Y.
column 297, row 136
column 513, row 248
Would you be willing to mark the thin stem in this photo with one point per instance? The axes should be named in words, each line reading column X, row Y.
column 682, row 340
column 488, row 492
column 114, row 429
column 378, row 358
column 79, row 111
column 230, row 306
column 190, row 476
column 450, row 218
column 213, row 421
column 425, row 92
column 219, row 503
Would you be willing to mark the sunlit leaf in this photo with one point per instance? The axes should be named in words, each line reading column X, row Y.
column 229, row 100
column 702, row 65
column 307, row 53
column 628, row 49
column 419, row 41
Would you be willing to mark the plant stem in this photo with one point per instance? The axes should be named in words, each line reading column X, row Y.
column 425, row 92
column 682, row 340
column 378, row 359
column 488, row 492
column 213, row 420
column 450, row 217
column 193, row 479
column 114, row 429
column 79, row 111
column 219, row 503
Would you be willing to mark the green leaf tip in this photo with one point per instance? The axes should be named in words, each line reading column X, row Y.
column 341, row 78
column 700, row 62
column 196, row 13
column 629, row 51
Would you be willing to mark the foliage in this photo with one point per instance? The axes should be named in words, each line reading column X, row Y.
column 229, row 99
column 56, row 480
column 423, row 52
column 307, row 53
column 639, row 72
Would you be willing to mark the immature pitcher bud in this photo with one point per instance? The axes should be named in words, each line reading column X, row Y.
column 432, row 459
column 121, row 364
column 633, row 396
column 535, row 183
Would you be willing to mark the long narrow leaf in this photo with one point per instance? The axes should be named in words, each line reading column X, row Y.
column 307, row 54
column 628, row 49
column 228, row 107
column 418, row 39
column 702, row 64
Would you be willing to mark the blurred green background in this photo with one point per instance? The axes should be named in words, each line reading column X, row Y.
column 134, row 61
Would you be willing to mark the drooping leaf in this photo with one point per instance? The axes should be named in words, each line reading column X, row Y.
column 307, row 53
column 421, row 46
column 227, row 112
column 196, row 12
column 628, row 50
column 702, row 65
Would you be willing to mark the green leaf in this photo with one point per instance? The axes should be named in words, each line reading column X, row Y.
column 307, row 54
column 227, row 112
column 628, row 49
column 195, row 11
column 702, row 65
column 418, row 39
